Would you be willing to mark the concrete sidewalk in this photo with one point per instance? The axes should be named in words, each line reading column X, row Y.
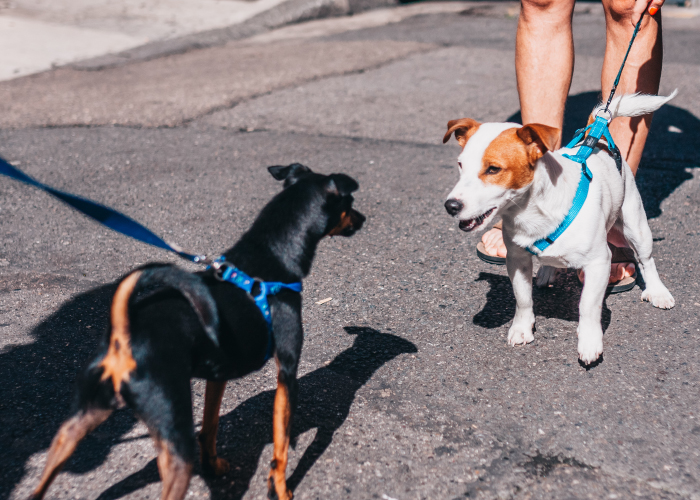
column 37, row 35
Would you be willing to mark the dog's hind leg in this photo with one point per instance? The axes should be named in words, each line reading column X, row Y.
column 635, row 228
column 66, row 440
column 175, row 471
column 163, row 400
column 211, row 463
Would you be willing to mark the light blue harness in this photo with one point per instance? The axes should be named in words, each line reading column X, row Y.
column 596, row 130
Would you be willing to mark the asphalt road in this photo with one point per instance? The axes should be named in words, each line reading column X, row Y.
column 408, row 389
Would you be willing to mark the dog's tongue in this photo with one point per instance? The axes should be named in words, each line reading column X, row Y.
column 467, row 225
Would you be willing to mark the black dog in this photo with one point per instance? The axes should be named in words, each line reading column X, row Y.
column 168, row 326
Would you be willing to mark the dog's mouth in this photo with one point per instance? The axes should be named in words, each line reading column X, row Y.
column 471, row 224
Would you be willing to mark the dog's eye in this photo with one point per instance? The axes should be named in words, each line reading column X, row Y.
column 492, row 170
column 460, row 164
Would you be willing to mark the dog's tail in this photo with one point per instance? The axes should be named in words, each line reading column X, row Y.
column 635, row 104
column 191, row 286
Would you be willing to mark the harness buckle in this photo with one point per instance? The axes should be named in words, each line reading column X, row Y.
column 602, row 112
column 263, row 289
column 220, row 267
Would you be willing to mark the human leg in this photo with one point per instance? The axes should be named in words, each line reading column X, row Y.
column 642, row 71
column 544, row 52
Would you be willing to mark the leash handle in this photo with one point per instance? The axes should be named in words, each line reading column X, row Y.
column 104, row 215
column 619, row 73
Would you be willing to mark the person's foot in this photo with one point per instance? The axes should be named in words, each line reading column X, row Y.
column 493, row 241
column 618, row 272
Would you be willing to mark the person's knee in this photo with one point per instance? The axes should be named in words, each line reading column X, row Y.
column 619, row 10
column 547, row 10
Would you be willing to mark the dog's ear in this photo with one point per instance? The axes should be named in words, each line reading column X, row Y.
column 342, row 184
column 539, row 139
column 288, row 174
column 463, row 129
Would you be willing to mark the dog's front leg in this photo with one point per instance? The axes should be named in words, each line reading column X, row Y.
column 281, row 423
column 289, row 335
column 211, row 463
column 519, row 264
column 590, row 331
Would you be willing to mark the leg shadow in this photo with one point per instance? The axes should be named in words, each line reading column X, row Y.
column 38, row 387
column 669, row 151
column 325, row 398
column 560, row 301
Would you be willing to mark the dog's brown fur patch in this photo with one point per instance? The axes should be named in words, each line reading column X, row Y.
column 345, row 222
column 464, row 129
column 119, row 362
column 515, row 152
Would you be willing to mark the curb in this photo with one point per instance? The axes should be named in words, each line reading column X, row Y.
column 289, row 12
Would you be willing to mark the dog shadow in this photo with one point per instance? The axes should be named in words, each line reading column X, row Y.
column 669, row 151
column 560, row 301
column 36, row 395
column 325, row 398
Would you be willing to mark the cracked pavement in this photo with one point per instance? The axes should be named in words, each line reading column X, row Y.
column 408, row 389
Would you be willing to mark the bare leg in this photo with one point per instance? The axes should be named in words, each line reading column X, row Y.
column 544, row 52
column 210, row 425
column 63, row 445
column 642, row 71
column 544, row 60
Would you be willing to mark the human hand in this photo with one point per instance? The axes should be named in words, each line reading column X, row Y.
column 640, row 6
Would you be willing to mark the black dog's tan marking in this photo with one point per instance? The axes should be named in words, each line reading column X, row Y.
column 119, row 362
column 168, row 326
column 65, row 442
column 281, row 420
column 175, row 473
column 210, row 425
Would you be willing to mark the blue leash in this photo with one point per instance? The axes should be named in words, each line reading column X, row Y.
column 102, row 214
column 129, row 227
column 596, row 130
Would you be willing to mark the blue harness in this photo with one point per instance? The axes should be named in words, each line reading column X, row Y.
column 225, row 271
column 596, row 130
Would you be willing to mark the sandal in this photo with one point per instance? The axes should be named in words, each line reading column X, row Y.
column 622, row 255
column 486, row 257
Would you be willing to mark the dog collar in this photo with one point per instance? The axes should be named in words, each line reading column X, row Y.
column 225, row 271
column 596, row 130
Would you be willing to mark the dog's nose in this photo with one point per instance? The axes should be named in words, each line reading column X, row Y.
column 453, row 206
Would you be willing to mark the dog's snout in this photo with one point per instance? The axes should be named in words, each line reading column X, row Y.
column 453, row 206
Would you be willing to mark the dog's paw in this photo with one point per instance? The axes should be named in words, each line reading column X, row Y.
column 219, row 466
column 659, row 297
column 546, row 276
column 520, row 334
column 590, row 347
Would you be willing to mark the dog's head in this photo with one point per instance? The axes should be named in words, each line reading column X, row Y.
column 329, row 197
column 498, row 160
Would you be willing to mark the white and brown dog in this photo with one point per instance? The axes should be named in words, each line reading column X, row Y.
column 510, row 170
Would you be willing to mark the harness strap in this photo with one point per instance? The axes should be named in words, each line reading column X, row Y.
column 579, row 199
column 586, row 144
column 232, row 274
